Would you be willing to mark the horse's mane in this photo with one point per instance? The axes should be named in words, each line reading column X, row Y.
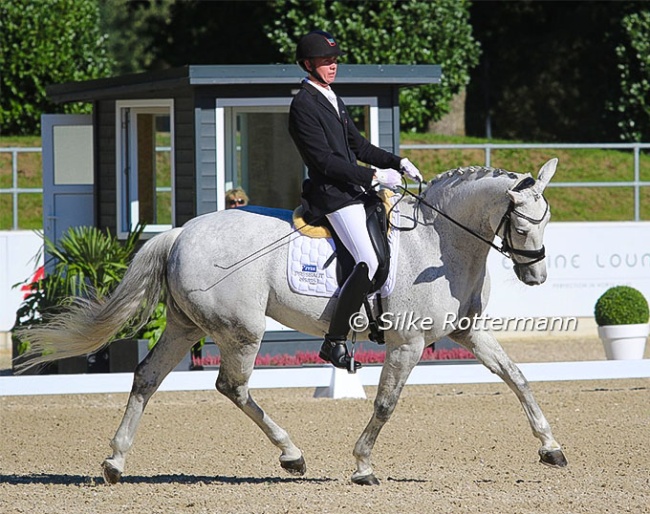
column 471, row 173
column 466, row 174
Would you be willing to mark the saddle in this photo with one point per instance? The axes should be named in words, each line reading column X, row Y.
column 376, row 206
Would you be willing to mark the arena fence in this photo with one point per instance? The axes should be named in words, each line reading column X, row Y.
column 323, row 377
column 636, row 183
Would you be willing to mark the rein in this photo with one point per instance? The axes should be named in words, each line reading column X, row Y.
column 506, row 249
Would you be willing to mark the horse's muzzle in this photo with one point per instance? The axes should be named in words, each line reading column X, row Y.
column 531, row 275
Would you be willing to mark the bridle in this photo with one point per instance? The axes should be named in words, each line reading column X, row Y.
column 506, row 242
column 506, row 249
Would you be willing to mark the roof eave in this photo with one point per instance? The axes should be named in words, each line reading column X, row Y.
column 398, row 75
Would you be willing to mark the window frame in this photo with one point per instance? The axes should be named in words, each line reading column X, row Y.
column 126, row 202
column 225, row 114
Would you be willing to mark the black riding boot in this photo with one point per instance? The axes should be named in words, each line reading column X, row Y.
column 350, row 299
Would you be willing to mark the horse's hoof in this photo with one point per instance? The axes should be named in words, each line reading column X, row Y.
column 295, row 467
column 112, row 475
column 365, row 480
column 554, row 458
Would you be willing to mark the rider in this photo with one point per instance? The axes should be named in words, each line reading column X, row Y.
column 330, row 146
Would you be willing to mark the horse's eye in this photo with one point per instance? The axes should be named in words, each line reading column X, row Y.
column 521, row 231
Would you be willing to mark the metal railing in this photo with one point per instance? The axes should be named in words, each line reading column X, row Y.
column 14, row 190
column 487, row 148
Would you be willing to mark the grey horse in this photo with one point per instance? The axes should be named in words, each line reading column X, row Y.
column 224, row 272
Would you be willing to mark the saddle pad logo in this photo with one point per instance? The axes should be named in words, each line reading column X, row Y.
column 309, row 268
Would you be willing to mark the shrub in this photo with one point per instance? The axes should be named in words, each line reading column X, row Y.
column 621, row 305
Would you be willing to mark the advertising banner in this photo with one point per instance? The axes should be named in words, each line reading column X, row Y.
column 583, row 260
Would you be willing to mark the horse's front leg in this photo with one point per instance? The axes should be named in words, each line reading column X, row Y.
column 237, row 362
column 489, row 352
column 397, row 367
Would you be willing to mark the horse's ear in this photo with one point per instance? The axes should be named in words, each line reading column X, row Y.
column 545, row 175
column 516, row 196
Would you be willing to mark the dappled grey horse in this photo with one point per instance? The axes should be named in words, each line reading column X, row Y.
column 218, row 284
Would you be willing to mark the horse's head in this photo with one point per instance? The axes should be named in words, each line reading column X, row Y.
column 522, row 226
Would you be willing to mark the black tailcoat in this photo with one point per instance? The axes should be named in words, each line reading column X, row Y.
column 330, row 146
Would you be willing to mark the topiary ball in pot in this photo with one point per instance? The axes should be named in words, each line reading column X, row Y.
column 621, row 305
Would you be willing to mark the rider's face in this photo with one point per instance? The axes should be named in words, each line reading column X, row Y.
column 325, row 67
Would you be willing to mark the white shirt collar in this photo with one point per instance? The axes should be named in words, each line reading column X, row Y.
column 326, row 92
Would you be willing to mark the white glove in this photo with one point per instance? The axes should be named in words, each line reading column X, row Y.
column 388, row 178
column 409, row 169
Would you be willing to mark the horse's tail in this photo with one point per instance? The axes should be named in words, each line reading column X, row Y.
column 87, row 325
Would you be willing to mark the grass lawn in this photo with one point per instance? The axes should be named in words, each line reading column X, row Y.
column 30, row 205
column 568, row 204
column 579, row 165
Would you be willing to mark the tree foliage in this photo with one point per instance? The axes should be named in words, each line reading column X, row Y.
column 148, row 35
column 42, row 43
column 133, row 30
column 390, row 32
column 633, row 54
column 548, row 70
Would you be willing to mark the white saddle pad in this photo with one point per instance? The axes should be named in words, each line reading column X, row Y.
column 308, row 255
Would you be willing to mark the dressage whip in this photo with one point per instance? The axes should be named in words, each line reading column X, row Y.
column 265, row 250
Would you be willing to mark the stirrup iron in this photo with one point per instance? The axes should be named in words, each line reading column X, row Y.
column 335, row 351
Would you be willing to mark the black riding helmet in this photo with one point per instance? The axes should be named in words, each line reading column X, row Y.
column 317, row 43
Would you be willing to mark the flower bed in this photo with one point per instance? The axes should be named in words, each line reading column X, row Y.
column 363, row 356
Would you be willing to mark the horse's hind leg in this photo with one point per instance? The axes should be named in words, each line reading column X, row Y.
column 237, row 361
column 179, row 336
column 489, row 352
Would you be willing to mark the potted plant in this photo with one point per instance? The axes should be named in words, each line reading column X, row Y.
column 622, row 317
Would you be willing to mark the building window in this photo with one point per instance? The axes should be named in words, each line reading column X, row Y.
column 255, row 150
column 145, row 165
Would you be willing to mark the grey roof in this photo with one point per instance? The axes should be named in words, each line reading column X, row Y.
column 141, row 83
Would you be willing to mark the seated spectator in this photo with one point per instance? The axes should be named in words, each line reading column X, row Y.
column 236, row 197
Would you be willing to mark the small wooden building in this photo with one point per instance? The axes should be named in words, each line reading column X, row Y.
column 167, row 145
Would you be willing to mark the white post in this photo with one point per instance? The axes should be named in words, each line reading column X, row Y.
column 342, row 385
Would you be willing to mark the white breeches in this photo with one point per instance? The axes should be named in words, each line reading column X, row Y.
column 350, row 225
